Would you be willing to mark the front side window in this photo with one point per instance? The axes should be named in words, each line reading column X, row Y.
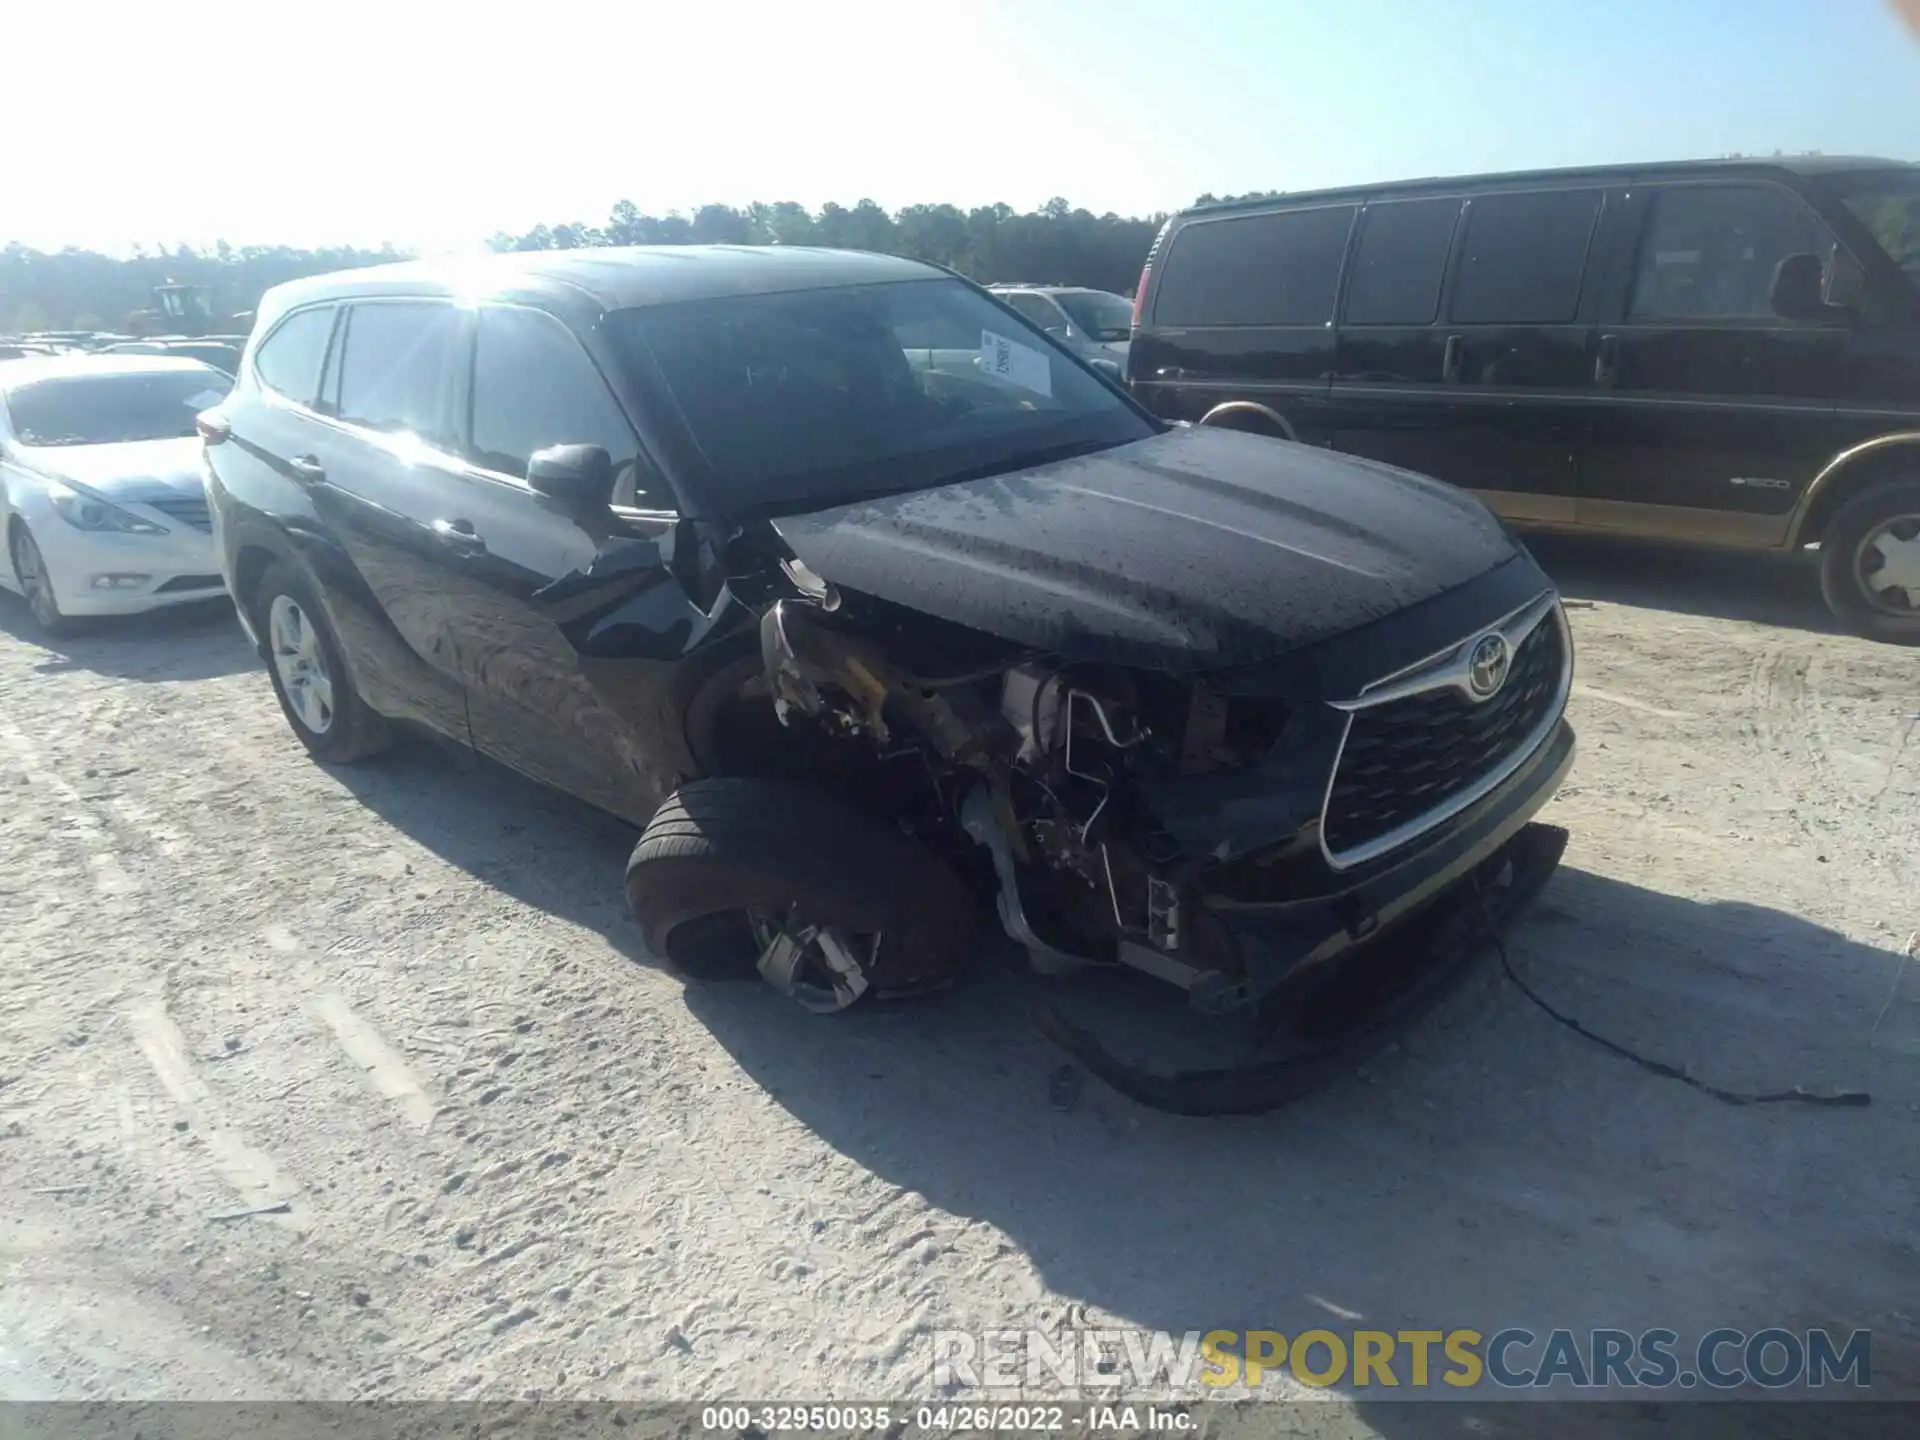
column 1097, row 314
column 1401, row 261
column 1255, row 269
column 397, row 361
column 1522, row 258
column 288, row 361
column 534, row 386
column 812, row 398
column 1709, row 251
column 1887, row 203
column 110, row 408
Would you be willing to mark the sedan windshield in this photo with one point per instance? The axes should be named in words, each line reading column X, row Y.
column 812, row 398
column 1101, row 315
column 109, row 408
column 1887, row 203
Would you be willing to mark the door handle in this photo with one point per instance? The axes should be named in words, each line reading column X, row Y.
column 1450, row 361
column 1606, row 362
column 459, row 535
column 1169, row 372
column 307, row 468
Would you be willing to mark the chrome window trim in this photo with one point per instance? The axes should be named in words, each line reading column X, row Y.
column 1447, row 670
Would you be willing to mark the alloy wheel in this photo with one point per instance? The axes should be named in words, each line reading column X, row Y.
column 822, row 967
column 300, row 663
column 31, row 571
column 1887, row 565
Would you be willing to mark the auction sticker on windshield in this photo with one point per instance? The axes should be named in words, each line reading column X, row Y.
column 1015, row 363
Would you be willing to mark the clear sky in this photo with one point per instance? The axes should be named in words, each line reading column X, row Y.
column 434, row 125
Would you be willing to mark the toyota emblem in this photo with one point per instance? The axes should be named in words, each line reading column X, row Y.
column 1487, row 666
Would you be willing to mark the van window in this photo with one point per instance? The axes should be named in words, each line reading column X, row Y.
column 1709, row 251
column 288, row 363
column 1402, row 257
column 394, row 372
column 1255, row 269
column 1522, row 258
column 534, row 386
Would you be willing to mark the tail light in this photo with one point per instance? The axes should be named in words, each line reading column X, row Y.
column 1146, row 271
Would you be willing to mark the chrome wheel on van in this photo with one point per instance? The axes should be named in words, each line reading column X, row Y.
column 298, row 660
column 1887, row 563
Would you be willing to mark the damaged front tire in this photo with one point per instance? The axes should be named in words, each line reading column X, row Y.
column 735, row 874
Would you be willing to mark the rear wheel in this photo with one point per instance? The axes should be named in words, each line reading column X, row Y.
column 1870, row 563
column 736, row 875
column 30, row 569
column 309, row 679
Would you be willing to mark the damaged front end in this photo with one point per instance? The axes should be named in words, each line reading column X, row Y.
column 1276, row 859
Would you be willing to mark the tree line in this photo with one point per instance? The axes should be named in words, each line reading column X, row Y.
column 76, row 289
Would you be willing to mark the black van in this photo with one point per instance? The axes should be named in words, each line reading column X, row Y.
column 1723, row 352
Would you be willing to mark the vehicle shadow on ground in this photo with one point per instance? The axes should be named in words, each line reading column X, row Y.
column 543, row 848
column 1781, row 590
column 202, row 641
column 1491, row 1169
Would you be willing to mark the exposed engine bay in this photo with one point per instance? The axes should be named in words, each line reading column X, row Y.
column 1044, row 764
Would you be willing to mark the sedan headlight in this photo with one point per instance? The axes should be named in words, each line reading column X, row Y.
column 86, row 511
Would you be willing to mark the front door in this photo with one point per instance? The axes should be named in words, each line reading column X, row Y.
column 572, row 618
column 1715, row 413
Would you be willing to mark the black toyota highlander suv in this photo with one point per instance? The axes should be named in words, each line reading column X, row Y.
column 870, row 603
column 1722, row 352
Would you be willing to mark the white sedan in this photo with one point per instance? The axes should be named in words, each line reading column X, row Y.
column 102, row 503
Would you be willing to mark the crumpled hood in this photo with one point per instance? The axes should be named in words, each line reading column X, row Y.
column 1198, row 549
column 132, row 470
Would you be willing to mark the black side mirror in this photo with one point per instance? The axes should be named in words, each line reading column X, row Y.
column 1798, row 290
column 580, row 475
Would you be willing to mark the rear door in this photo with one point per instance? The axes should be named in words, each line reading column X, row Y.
column 376, row 472
column 1716, row 413
column 571, row 615
column 1242, row 309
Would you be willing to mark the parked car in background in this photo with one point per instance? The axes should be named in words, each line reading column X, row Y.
column 869, row 603
column 102, row 503
column 1723, row 352
column 1093, row 324
column 221, row 352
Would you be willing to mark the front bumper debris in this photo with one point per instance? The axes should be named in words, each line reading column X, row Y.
column 1425, row 952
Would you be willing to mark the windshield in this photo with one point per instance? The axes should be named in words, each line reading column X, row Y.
column 110, row 408
column 811, row 398
column 1887, row 203
column 1102, row 316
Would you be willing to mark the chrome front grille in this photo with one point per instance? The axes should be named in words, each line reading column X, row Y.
column 1420, row 747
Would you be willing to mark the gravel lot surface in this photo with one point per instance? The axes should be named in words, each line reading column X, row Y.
column 403, row 1002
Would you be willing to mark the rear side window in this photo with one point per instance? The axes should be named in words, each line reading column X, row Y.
column 1709, row 252
column 1036, row 308
column 534, row 386
column 396, row 365
column 288, row 361
column 1255, row 269
column 1401, row 261
column 1522, row 257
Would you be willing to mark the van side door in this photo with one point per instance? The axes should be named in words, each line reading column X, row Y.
column 1714, row 413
